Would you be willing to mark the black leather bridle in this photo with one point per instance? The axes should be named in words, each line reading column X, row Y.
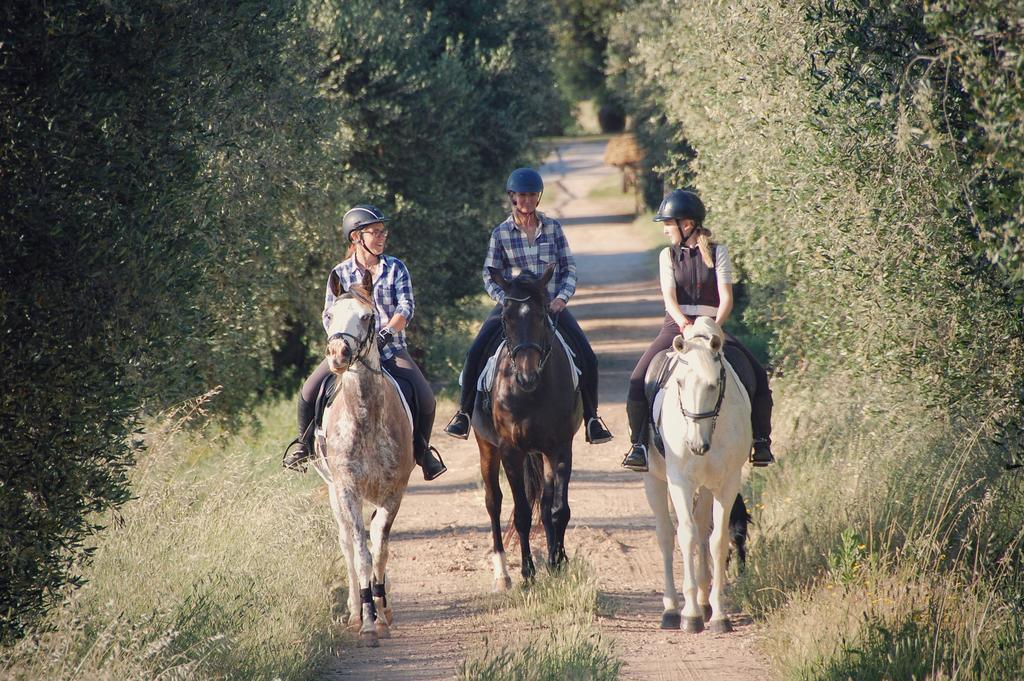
column 362, row 345
column 545, row 353
column 713, row 414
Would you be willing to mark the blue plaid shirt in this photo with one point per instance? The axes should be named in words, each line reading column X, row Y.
column 392, row 293
column 510, row 248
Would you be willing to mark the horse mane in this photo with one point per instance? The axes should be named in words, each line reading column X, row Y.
column 359, row 292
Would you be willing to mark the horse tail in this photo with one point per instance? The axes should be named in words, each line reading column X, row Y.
column 739, row 518
column 533, row 481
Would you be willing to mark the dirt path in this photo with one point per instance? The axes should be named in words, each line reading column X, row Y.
column 440, row 560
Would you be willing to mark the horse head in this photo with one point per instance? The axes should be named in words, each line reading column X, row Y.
column 700, row 381
column 351, row 323
column 525, row 322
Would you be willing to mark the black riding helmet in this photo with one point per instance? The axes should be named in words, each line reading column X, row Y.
column 681, row 205
column 524, row 181
column 359, row 217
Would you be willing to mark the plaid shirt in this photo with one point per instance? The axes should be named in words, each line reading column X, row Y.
column 392, row 293
column 511, row 248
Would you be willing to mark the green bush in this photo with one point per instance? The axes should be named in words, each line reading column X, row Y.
column 174, row 173
column 862, row 160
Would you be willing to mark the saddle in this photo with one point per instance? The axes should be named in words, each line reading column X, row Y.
column 328, row 391
column 485, row 379
column 660, row 369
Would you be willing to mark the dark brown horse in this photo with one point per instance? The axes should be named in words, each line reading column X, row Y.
column 534, row 412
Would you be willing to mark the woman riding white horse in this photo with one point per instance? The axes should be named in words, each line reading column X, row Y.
column 696, row 279
column 705, row 426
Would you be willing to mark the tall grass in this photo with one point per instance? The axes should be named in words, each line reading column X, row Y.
column 550, row 632
column 216, row 569
column 888, row 545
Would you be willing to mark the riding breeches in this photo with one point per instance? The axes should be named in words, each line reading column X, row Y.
column 737, row 354
column 570, row 330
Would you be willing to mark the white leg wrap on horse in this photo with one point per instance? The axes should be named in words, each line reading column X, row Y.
column 500, row 566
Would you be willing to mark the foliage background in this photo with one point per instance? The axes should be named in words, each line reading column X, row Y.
column 173, row 172
column 863, row 160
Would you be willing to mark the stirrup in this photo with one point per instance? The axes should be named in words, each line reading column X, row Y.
column 602, row 433
column 636, row 458
column 458, row 426
column 295, row 460
column 761, row 456
column 437, row 467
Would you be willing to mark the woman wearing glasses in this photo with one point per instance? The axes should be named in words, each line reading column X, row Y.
column 363, row 229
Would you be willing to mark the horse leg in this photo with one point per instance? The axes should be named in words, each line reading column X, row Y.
column 560, row 512
column 513, row 462
column 657, row 497
column 489, row 469
column 720, row 554
column 345, row 539
column 351, row 507
column 702, row 506
column 683, row 490
column 380, row 531
column 546, row 500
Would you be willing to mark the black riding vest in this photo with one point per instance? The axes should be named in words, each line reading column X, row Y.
column 696, row 283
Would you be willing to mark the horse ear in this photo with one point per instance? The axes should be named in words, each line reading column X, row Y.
column 678, row 344
column 498, row 277
column 546, row 277
column 716, row 343
column 334, row 284
column 368, row 281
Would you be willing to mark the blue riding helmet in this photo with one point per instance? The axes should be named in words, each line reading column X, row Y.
column 524, row 181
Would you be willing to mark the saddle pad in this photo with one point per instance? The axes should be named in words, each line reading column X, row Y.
column 327, row 395
column 486, row 380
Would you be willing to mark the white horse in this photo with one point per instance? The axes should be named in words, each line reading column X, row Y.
column 365, row 454
column 705, row 426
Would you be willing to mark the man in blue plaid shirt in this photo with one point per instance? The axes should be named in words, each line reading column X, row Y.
column 530, row 240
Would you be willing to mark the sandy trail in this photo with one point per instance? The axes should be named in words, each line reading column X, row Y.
column 440, row 562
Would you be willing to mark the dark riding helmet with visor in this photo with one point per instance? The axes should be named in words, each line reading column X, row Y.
column 681, row 205
column 359, row 217
column 524, row 181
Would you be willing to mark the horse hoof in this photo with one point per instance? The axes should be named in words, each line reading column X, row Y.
column 368, row 639
column 385, row 615
column 722, row 626
column 355, row 622
column 693, row 625
column 502, row 584
column 383, row 630
column 707, row 612
column 670, row 620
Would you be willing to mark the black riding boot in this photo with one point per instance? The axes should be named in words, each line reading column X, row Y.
column 428, row 459
column 636, row 458
column 459, row 425
column 594, row 429
column 301, row 448
column 761, row 421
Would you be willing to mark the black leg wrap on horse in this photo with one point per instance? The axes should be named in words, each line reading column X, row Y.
column 366, row 596
column 380, row 592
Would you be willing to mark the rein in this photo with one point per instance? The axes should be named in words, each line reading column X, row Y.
column 545, row 353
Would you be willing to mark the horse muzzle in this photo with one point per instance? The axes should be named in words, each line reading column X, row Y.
column 339, row 356
column 698, row 447
column 528, row 382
